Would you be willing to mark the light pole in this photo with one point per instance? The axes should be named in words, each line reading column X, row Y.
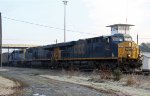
column 65, row 3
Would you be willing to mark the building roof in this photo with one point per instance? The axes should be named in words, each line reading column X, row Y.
column 120, row 25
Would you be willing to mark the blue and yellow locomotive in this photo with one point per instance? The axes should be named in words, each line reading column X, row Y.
column 113, row 51
column 103, row 52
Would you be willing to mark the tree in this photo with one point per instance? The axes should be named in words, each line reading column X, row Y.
column 145, row 47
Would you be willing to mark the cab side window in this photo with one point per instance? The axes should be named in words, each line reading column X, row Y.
column 106, row 40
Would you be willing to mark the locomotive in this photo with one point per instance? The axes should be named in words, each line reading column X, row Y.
column 103, row 52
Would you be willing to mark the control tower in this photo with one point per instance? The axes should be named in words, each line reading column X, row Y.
column 120, row 28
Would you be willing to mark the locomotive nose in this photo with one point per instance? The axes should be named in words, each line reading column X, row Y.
column 128, row 50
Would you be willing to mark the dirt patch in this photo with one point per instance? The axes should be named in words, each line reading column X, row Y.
column 11, row 86
column 81, row 81
column 2, row 69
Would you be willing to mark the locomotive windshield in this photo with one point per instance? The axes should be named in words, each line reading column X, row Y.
column 121, row 37
column 127, row 38
column 115, row 38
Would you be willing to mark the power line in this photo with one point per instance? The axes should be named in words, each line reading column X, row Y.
column 141, row 38
column 10, row 39
column 45, row 25
column 144, row 38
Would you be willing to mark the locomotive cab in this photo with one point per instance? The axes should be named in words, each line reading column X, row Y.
column 128, row 50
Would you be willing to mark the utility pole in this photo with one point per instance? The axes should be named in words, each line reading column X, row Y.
column 0, row 40
column 56, row 41
column 137, row 38
column 65, row 3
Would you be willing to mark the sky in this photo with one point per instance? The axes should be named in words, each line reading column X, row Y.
column 84, row 19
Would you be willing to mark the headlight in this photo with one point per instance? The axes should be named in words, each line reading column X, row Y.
column 139, row 55
column 128, row 55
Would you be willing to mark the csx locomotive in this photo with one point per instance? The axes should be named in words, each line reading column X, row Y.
column 103, row 52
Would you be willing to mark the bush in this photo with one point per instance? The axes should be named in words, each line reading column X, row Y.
column 117, row 74
column 70, row 73
column 105, row 74
column 132, row 80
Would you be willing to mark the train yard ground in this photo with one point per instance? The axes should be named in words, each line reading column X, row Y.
column 46, row 82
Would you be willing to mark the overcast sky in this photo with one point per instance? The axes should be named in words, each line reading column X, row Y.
column 83, row 16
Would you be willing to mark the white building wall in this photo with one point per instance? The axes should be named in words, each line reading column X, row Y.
column 146, row 63
column 120, row 29
column 124, row 32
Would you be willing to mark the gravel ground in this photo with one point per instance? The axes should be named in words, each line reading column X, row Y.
column 6, row 86
column 113, row 87
column 129, row 85
column 44, row 82
column 35, row 85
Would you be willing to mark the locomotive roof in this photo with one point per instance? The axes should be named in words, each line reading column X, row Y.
column 66, row 44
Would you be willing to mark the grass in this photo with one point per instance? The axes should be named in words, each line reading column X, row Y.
column 71, row 72
column 105, row 74
column 132, row 80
